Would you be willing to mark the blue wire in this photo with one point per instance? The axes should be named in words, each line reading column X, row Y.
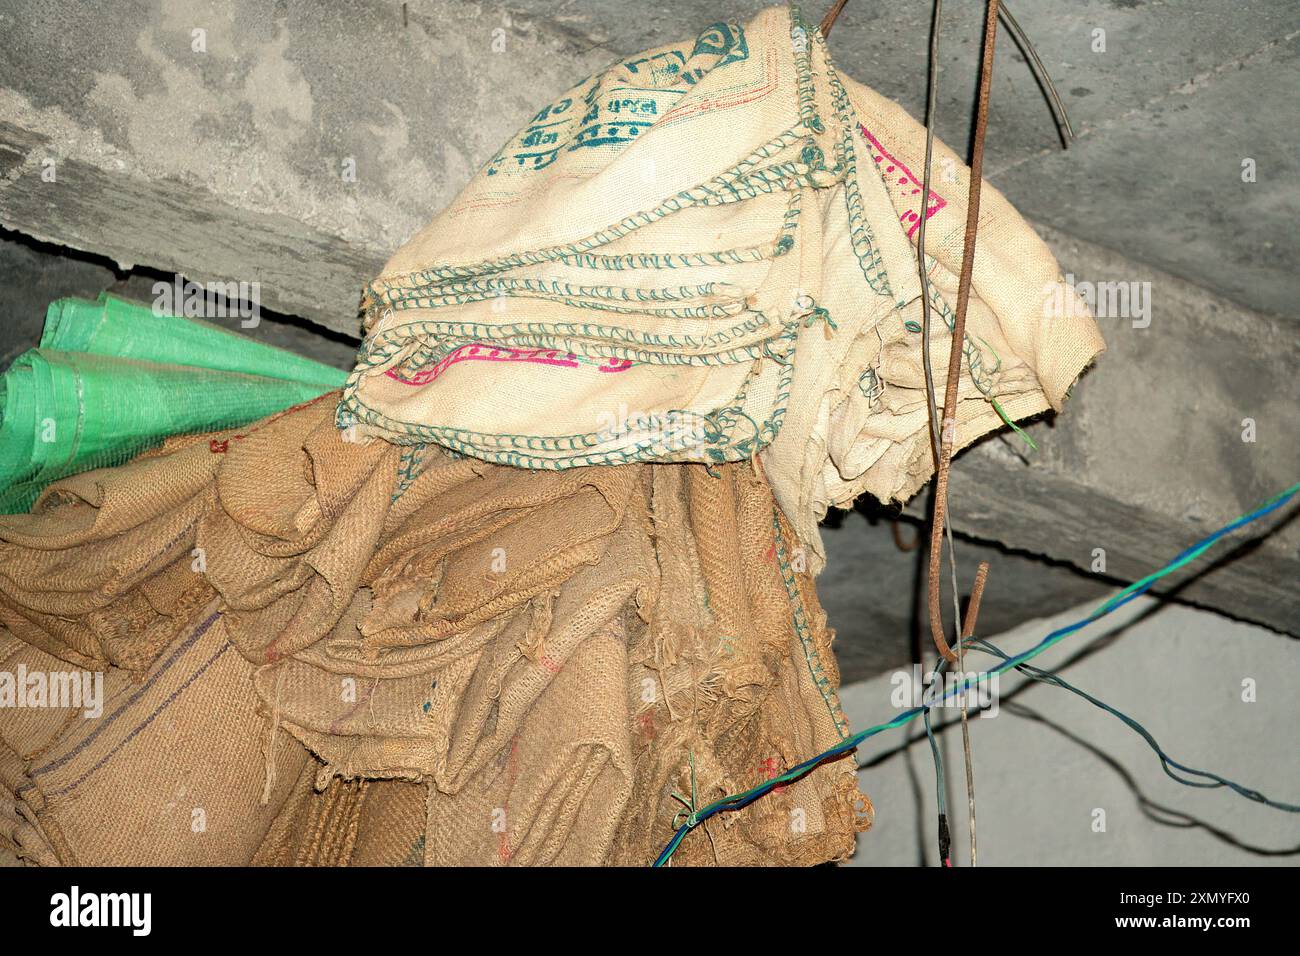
column 851, row 743
column 1212, row 781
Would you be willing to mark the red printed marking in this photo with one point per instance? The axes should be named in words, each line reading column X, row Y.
column 223, row 446
column 771, row 767
column 645, row 726
column 740, row 98
column 478, row 352
column 336, row 725
column 879, row 154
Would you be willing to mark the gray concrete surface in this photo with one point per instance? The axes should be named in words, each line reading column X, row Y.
column 228, row 162
column 874, row 592
column 32, row 275
column 1049, row 761
column 1150, row 454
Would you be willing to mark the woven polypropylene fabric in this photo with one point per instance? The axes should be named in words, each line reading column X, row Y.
column 111, row 379
column 125, row 329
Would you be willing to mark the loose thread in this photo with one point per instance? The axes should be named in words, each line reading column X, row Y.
column 1014, row 427
column 270, row 743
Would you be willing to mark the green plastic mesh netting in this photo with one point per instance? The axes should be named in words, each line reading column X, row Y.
column 111, row 378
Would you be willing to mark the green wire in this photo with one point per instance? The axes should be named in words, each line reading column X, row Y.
column 1014, row 427
column 1211, row 780
column 736, row 801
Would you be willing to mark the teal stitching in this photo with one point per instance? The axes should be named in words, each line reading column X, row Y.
column 784, row 173
column 801, row 40
column 711, row 311
column 352, row 410
column 383, row 346
column 558, row 288
column 860, row 235
column 870, row 385
column 409, row 467
column 823, row 314
column 743, row 181
column 802, row 631
column 666, row 260
column 984, row 379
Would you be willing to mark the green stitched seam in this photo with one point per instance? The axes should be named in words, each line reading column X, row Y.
column 801, row 629
column 613, row 293
column 383, row 346
column 666, row 260
column 742, row 181
column 860, row 235
column 754, row 182
column 719, row 447
column 731, row 180
column 409, row 467
column 711, row 311
column 644, row 451
column 801, row 40
column 983, row 379
column 433, row 354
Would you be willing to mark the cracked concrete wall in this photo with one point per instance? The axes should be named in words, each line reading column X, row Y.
column 1184, row 424
column 246, row 134
column 269, row 106
column 32, row 275
column 295, row 144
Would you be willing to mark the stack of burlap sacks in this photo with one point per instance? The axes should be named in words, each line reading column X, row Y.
column 323, row 652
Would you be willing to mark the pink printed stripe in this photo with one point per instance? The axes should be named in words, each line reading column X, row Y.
column 479, row 352
column 901, row 181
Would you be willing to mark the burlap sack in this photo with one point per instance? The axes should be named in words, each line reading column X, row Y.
column 542, row 657
column 703, row 255
column 171, row 772
column 347, row 823
column 26, row 734
column 707, row 253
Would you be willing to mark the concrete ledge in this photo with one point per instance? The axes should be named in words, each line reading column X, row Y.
column 179, row 228
column 1149, row 457
column 295, row 144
